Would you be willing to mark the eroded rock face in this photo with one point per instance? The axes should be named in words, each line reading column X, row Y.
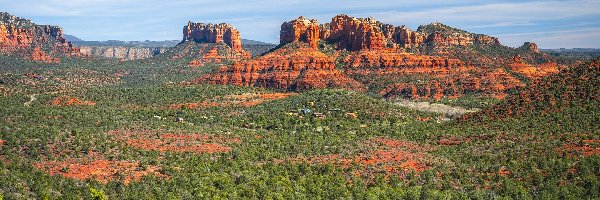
column 403, row 36
column 572, row 87
column 300, row 29
column 356, row 34
column 126, row 53
column 213, row 33
column 36, row 42
column 530, row 46
column 296, row 66
column 347, row 32
column 371, row 55
column 423, row 77
column 534, row 72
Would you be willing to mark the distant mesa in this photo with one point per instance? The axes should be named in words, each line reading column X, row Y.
column 209, row 43
column 72, row 38
column 213, row 33
column 43, row 43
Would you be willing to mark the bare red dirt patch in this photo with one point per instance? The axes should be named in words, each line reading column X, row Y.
column 70, row 101
column 383, row 155
column 95, row 166
column 174, row 142
column 241, row 100
column 585, row 147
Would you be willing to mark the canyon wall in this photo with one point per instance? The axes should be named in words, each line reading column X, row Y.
column 36, row 42
column 119, row 52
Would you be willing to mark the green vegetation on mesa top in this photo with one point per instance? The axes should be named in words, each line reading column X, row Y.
column 531, row 148
column 6, row 18
column 439, row 27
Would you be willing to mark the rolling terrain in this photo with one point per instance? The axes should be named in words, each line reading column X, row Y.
column 336, row 110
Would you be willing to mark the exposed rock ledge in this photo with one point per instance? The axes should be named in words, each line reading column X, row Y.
column 127, row 53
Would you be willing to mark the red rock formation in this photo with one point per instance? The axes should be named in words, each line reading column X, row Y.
column 375, row 60
column 294, row 67
column 488, row 83
column 402, row 36
column 22, row 37
column 517, row 59
column 356, row 33
column 575, row 87
column 300, row 29
column 39, row 55
column 407, row 38
column 534, row 72
column 195, row 63
column 530, row 46
column 422, row 77
column 347, row 32
column 213, row 33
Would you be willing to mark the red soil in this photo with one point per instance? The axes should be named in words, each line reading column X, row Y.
column 242, row 100
column 195, row 63
column 163, row 142
column 503, row 171
column 70, row 101
column 95, row 166
column 585, row 147
column 383, row 155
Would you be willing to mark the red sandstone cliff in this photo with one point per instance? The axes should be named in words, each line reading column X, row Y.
column 347, row 32
column 37, row 42
column 300, row 29
column 373, row 54
column 213, row 33
column 356, row 33
column 296, row 66
column 423, row 77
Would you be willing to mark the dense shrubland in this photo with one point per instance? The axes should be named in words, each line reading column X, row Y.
column 526, row 156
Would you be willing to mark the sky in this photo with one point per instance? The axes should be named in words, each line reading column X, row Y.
column 550, row 24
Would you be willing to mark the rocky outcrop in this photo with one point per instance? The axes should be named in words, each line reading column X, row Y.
column 424, row 77
column 530, row 46
column 367, row 54
column 300, row 29
column 210, row 43
column 347, row 32
column 213, row 33
column 443, row 35
column 355, row 34
column 575, row 87
column 119, row 52
column 402, row 36
column 534, row 72
column 36, row 42
column 296, row 66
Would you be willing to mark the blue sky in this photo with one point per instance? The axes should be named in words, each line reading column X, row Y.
column 551, row 24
